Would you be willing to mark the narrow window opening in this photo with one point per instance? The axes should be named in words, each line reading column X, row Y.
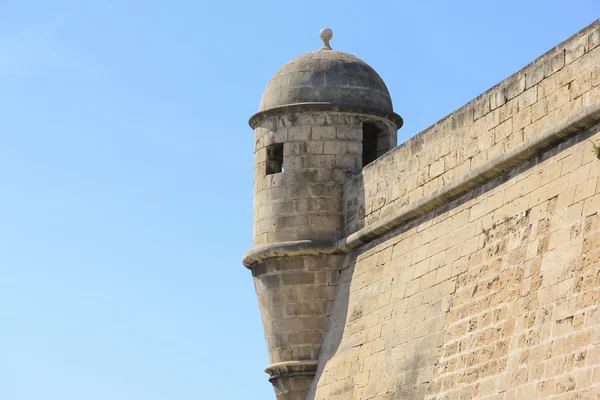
column 369, row 142
column 275, row 158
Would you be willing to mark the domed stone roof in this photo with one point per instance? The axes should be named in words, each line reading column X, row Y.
column 326, row 80
column 326, row 76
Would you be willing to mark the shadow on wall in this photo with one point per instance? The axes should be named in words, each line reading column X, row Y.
column 354, row 203
column 341, row 321
column 337, row 318
column 337, row 321
column 344, row 322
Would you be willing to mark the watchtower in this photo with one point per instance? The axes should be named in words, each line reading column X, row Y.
column 323, row 114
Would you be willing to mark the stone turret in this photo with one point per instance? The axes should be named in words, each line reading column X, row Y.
column 322, row 115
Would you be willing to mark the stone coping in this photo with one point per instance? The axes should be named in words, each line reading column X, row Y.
column 292, row 368
column 325, row 106
column 547, row 138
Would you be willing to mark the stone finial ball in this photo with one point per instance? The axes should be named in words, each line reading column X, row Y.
column 326, row 34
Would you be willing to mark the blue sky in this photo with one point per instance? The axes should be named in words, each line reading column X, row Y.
column 126, row 170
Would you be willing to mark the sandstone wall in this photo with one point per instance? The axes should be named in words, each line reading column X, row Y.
column 561, row 82
column 495, row 293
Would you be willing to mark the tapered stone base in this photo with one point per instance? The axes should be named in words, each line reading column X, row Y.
column 294, row 296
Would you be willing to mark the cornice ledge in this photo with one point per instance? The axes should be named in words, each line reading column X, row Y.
column 292, row 368
column 290, row 249
column 325, row 106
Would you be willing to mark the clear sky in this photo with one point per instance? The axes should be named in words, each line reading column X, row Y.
column 126, row 170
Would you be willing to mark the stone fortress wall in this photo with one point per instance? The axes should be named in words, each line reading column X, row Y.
column 462, row 264
column 473, row 249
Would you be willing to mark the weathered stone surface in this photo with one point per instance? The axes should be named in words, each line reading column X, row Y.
column 305, row 200
column 489, row 134
column 463, row 264
column 326, row 76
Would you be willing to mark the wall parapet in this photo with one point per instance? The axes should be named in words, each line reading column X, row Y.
column 562, row 82
column 549, row 137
